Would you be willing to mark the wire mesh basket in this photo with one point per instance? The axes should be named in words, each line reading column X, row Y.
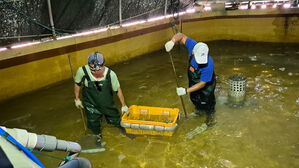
column 237, row 89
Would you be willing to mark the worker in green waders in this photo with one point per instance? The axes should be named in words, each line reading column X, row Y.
column 99, row 82
column 202, row 81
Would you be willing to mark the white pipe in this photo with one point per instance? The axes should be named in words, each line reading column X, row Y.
column 25, row 138
column 42, row 142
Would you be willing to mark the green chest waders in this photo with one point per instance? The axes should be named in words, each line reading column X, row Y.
column 204, row 98
column 98, row 101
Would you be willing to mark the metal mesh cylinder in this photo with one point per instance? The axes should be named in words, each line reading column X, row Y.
column 237, row 85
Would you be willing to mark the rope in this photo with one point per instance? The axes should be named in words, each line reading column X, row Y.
column 26, row 17
column 67, row 158
column 114, row 23
column 33, row 21
column 143, row 13
column 174, row 6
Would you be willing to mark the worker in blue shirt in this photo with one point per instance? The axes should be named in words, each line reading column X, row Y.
column 202, row 81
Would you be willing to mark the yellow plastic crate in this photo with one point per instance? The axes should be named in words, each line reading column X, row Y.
column 145, row 120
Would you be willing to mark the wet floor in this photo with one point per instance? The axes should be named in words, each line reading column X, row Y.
column 262, row 133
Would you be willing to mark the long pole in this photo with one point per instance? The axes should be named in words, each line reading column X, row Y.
column 165, row 8
column 177, row 83
column 51, row 19
column 181, row 25
column 120, row 16
column 81, row 110
column 174, row 71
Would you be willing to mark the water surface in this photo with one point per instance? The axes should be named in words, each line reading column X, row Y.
column 262, row 133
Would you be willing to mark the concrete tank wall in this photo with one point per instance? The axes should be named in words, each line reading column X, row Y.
column 29, row 68
column 270, row 25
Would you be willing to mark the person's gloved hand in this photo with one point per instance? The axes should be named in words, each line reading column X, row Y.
column 181, row 91
column 124, row 109
column 78, row 103
column 169, row 45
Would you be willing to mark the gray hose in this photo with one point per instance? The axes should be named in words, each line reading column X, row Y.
column 77, row 163
column 50, row 143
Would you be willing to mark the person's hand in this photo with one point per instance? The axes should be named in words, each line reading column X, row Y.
column 169, row 45
column 181, row 91
column 125, row 109
column 78, row 103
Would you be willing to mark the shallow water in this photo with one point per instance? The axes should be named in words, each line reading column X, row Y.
column 262, row 133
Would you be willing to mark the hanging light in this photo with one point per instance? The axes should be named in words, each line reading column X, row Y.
column 287, row 5
column 83, row 33
column 264, row 6
column 207, row 8
column 133, row 23
column 25, row 44
column 3, row 49
column 191, row 10
column 64, row 37
column 156, row 18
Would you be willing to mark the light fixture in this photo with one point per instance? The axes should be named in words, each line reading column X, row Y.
column 25, row 44
column 3, row 49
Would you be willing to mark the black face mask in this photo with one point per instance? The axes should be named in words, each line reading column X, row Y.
column 93, row 69
column 98, row 86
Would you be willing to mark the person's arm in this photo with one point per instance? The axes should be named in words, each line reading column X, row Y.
column 124, row 108
column 179, row 37
column 77, row 88
column 121, row 97
column 196, row 87
column 78, row 102
column 77, row 91
column 117, row 89
column 77, row 81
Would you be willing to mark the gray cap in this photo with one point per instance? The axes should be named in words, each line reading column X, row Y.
column 97, row 60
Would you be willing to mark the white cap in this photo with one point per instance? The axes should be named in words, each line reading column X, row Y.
column 200, row 52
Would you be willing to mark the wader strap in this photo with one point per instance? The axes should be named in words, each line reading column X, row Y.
column 109, row 80
column 86, row 76
column 190, row 58
column 108, row 75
